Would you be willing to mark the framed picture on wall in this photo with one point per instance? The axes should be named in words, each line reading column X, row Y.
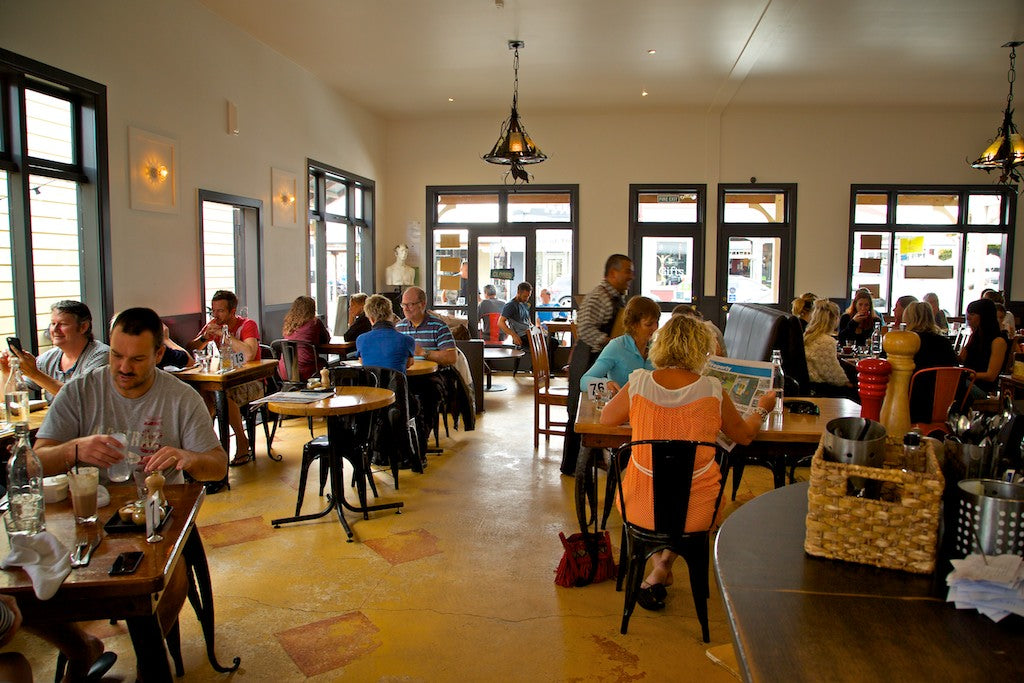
column 152, row 171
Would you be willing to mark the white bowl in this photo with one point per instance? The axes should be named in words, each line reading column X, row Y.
column 55, row 489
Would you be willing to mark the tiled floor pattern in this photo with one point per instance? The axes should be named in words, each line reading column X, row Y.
column 459, row 586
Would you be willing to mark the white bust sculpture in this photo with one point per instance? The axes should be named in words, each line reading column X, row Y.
column 398, row 273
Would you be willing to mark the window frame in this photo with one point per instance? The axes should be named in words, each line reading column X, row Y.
column 785, row 230
column 499, row 228
column 89, row 170
column 696, row 230
column 963, row 192
column 317, row 174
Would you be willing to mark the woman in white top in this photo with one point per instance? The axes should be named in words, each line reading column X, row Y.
column 820, row 347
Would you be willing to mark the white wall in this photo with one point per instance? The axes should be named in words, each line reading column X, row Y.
column 823, row 150
column 169, row 67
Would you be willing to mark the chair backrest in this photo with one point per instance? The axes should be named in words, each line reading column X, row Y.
column 949, row 383
column 539, row 359
column 352, row 376
column 292, row 350
column 491, row 332
column 962, row 335
column 672, row 463
column 396, row 428
column 273, row 384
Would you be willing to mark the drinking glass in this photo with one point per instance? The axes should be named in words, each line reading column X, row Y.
column 122, row 471
column 83, row 482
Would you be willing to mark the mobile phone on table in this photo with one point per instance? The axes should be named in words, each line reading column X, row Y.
column 14, row 344
column 126, row 563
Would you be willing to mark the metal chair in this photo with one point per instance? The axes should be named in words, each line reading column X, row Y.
column 672, row 463
column 543, row 393
column 946, row 386
column 259, row 413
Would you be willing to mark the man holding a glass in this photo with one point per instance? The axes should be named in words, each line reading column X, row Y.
column 159, row 418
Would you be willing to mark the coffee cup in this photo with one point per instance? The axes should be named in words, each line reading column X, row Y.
column 82, row 482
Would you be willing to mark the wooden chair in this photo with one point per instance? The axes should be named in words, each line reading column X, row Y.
column 672, row 474
column 947, row 384
column 543, row 393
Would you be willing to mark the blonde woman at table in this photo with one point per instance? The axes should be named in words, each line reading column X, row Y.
column 823, row 366
column 628, row 352
column 674, row 401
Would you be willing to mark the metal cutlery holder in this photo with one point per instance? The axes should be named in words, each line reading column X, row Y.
column 990, row 518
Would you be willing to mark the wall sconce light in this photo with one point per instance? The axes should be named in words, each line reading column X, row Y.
column 155, row 172
column 286, row 199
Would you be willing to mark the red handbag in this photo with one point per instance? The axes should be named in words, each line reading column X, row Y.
column 587, row 559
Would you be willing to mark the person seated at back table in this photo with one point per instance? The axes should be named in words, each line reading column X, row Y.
column 383, row 346
column 717, row 338
column 130, row 396
column 899, row 307
column 858, row 323
column 75, row 350
column 802, row 307
column 628, row 352
column 515, row 316
column 936, row 351
column 488, row 305
column 358, row 323
column 674, row 401
column 244, row 338
column 301, row 324
column 932, row 299
column 175, row 356
column 544, row 316
column 820, row 348
column 985, row 351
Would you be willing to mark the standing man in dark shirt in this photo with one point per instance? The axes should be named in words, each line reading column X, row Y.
column 594, row 326
column 515, row 316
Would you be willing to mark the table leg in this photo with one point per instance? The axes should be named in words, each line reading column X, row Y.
column 488, row 372
column 200, row 595
column 150, row 653
column 220, row 401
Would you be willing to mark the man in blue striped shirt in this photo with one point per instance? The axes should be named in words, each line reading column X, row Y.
column 434, row 340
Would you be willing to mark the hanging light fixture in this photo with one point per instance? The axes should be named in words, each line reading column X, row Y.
column 514, row 147
column 1006, row 152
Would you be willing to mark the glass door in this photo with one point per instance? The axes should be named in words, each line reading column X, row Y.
column 497, row 264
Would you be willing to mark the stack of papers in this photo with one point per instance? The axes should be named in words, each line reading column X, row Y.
column 991, row 584
column 294, row 397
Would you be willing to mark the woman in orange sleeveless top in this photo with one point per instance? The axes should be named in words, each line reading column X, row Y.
column 675, row 402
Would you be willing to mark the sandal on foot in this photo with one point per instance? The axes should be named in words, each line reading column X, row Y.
column 240, row 460
column 652, row 597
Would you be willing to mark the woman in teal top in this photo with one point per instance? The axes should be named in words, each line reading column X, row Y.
column 622, row 355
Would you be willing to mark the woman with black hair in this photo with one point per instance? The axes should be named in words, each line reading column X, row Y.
column 985, row 352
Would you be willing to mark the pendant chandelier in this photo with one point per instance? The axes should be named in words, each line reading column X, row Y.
column 1006, row 152
column 514, row 147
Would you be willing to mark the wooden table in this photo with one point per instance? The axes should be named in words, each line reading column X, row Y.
column 492, row 353
column 336, row 345
column 347, row 401
column 560, row 327
column 800, row 618
column 219, row 383
column 778, row 443
column 89, row 593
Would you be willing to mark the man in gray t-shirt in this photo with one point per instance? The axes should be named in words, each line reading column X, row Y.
column 164, row 419
column 490, row 304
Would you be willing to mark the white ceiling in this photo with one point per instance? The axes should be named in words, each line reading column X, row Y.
column 400, row 58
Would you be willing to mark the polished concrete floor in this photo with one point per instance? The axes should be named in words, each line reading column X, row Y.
column 459, row 586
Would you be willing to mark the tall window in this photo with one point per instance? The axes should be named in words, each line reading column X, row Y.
column 756, row 237
column 666, row 226
column 53, row 197
column 231, row 243
column 485, row 236
column 341, row 221
column 950, row 240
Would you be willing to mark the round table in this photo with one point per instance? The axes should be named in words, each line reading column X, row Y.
column 346, row 402
column 420, row 366
column 500, row 353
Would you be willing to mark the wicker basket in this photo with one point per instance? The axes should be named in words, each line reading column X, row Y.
column 897, row 531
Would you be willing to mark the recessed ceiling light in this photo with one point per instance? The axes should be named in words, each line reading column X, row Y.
column 643, row 93
column 451, row 99
column 652, row 51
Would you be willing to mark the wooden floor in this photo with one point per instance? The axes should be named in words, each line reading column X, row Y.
column 460, row 586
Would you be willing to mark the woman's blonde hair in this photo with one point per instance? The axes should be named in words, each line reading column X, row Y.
column 803, row 304
column 639, row 309
column 919, row 317
column 302, row 311
column 683, row 342
column 824, row 318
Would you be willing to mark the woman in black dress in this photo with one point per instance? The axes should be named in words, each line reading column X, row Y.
column 985, row 352
column 936, row 352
